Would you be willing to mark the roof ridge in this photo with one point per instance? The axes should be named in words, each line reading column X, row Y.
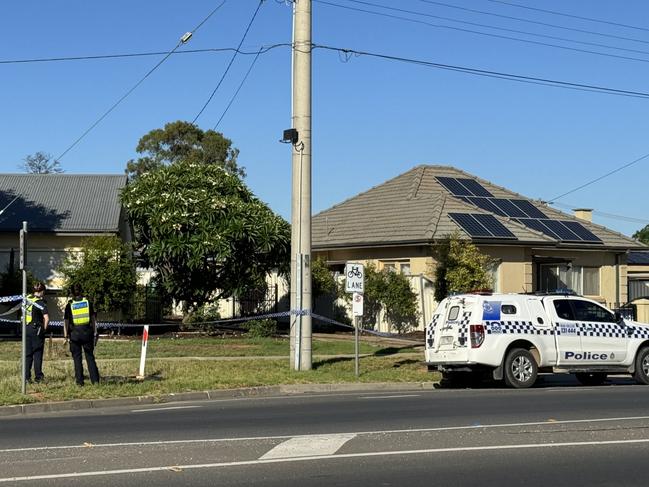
column 416, row 182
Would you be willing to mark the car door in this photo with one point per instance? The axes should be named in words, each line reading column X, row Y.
column 603, row 339
column 567, row 332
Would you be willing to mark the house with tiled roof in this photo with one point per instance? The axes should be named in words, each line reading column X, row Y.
column 60, row 211
column 638, row 279
column 537, row 247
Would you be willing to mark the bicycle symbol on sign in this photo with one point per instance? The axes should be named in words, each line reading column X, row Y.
column 354, row 272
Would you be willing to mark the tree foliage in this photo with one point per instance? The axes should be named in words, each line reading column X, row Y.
column 322, row 279
column 390, row 292
column 204, row 232
column 105, row 270
column 642, row 235
column 11, row 281
column 41, row 163
column 183, row 141
column 460, row 267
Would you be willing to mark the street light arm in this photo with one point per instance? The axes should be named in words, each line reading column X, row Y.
column 10, row 203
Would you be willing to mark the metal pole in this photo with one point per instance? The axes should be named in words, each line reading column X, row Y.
column 301, row 187
column 23, row 319
column 356, row 347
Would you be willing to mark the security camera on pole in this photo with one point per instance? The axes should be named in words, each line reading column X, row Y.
column 355, row 284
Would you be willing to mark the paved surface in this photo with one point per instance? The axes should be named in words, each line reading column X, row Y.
column 556, row 434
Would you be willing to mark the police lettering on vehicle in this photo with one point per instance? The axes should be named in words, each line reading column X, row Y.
column 587, row 356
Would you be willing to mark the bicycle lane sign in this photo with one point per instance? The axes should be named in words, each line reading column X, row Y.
column 354, row 278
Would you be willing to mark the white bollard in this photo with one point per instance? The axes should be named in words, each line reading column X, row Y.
column 145, row 341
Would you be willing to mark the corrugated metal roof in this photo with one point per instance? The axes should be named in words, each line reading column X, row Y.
column 414, row 208
column 68, row 203
column 638, row 258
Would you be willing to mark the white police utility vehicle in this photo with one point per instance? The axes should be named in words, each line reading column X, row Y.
column 514, row 336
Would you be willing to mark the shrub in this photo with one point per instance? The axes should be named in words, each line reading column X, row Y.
column 261, row 328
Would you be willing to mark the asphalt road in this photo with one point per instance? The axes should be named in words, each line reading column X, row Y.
column 558, row 433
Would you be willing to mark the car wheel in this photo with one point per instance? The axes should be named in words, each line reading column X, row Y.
column 591, row 378
column 641, row 374
column 520, row 369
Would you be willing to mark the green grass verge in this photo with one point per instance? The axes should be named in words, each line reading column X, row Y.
column 170, row 367
column 204, row 347
column 166, row 376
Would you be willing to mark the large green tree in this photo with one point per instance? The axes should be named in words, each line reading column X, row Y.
column 105, row 269
column 460, row 267
column 183, row 141
column 204, row 232
column 642, row 235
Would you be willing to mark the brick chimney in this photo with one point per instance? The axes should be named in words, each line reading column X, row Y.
column 585, row 214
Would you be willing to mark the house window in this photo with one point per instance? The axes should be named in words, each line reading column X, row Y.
column 591, row 281
column 582, row 280
column 402, row 266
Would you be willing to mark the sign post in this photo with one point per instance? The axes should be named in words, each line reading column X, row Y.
column 355, row 284
column 23, row 319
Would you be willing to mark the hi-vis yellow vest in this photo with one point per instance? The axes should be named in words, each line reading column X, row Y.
column 28, row 310
column 80, row 312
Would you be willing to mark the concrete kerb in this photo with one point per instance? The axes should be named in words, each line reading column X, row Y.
column 261, row 391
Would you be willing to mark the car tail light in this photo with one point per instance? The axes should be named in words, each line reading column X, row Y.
column 477, row 333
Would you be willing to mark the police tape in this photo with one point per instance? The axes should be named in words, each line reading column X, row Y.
column 19, row 297
column 241, row 319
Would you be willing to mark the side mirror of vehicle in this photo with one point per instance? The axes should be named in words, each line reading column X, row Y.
column 619, row 318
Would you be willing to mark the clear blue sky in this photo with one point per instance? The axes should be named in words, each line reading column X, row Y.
column 373, row 119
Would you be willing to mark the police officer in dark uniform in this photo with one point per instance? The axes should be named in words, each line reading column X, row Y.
column 37, row 320
column 80, row 327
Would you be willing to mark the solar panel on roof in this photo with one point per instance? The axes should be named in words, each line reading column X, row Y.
column 470, row 225
column 485, row 204
column 480, row 225
column 509, row 208
column 535, row 224
column 531, row 210
column 561, row 230
column 496, row 228
column 581, row 231
column 453, row 186
column 474, row 186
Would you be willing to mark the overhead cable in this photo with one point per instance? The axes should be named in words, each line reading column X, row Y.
column 227, row 69
column 563, row 14
column 252, row 65
column 185, row 38
column 593, row 181
column 487, row 34
column 504, row 29
column 492, row 74
column 545, row 24
column 604, row 214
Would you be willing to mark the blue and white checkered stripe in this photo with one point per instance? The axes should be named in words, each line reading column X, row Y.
column 463, row 330
column 515, row 328
column 430, row 331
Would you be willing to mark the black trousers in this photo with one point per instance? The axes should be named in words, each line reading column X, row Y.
column 34, row 352
column 82, row 338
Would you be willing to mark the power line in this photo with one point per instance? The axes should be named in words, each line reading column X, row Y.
column 554, row 12
column 227, row 69
column 492, row 74
column 641, row 158
column 604, row 214
column 252, row 65
column 182, row 40
column 497, row 36
column 264, row 49
column 545, row 24
column 488, row 26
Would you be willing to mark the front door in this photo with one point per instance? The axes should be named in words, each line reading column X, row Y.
column 603, row 340
column 567, row 333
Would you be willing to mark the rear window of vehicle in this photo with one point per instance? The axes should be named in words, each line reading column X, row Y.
column 563, row 309
column 508, row 309
column 453, row 313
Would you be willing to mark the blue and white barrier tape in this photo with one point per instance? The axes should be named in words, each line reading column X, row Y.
column 11, row 299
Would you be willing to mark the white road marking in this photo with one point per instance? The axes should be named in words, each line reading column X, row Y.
column 163, row 409
column 357, row 433
column 322, row 457
column 309, row 446
column 390, row 397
